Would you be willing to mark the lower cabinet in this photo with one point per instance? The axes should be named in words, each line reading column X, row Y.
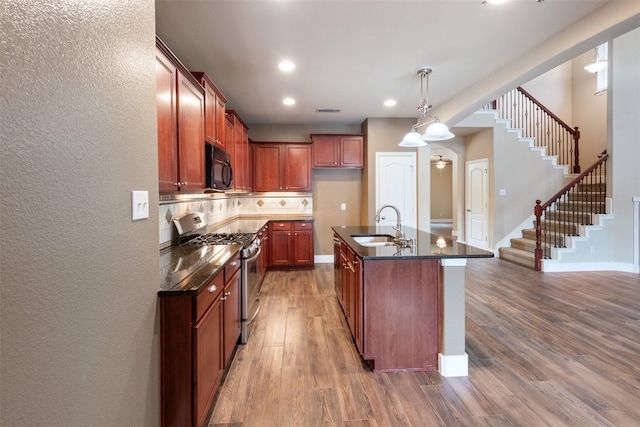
column 291, row 244
column 198, row 334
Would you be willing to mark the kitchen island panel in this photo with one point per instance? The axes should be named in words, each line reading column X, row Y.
column 401, row 314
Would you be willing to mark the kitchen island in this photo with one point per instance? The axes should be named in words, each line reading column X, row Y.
column 404, row 299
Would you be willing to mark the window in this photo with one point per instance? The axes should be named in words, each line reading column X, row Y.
column 601, row 76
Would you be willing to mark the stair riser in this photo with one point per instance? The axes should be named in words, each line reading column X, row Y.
column 551, row 239
column 573, row 217
column 587, row 197
column 507, row 256
column 550, row 226
column 595, row 207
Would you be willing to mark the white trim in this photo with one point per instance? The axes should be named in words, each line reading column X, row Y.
column 453, row 366
column 323, row 259
column 636, row 231
column 555, row 266
column 453, row 262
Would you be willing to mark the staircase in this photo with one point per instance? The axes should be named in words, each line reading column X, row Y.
column 562, row 220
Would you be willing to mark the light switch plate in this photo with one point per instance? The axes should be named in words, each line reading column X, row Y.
column 139, row 205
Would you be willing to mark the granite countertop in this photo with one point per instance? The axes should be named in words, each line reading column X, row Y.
column 253, row 224
column 186, row 269
column 427, row 245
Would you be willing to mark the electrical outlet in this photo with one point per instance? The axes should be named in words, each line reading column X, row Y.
column 139, row 205
column 343, row 206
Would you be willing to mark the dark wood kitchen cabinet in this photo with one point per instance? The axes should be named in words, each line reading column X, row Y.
column 281, row 166
column 232, row 307
column 291, row 244
column 180, row 112
column 214, row 111
column 198, row 335
column 338, row 151
column 238, row 148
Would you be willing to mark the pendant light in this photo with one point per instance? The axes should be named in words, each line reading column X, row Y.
column 436, row 131
column 598, row 63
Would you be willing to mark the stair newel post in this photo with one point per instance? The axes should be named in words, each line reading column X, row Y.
column 576, row 150
column 538, row 252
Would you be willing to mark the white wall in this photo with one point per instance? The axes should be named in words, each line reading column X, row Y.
column 79, row 278
column 624, row 139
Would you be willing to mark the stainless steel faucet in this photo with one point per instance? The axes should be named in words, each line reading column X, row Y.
column 398, row 226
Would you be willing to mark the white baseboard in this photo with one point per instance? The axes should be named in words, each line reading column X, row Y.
column 555, row 266
column 453, row 366
column 323, row 259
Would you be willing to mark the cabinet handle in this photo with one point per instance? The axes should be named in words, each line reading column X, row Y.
column 185, row 183
column 176, row 184
column 288, row 234
column 223, row 299
column 212, row 288
column 233, row 264
column 304, row 225
column 295, row 234
column 281, row 225
column 226, row 294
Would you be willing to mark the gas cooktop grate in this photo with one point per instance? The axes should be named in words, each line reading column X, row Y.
column 223, row 239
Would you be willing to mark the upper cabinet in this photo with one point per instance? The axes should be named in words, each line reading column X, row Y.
column 338, row 151
column 214, row 111
column 281, row 166
column 180, row 112
column 239, row 140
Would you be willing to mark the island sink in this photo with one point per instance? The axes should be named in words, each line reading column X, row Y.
column 374, row 239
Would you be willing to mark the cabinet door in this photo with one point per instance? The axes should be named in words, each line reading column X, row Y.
column 344, row 297
column 232, row 315
column 208, row 359
column 167, row 123
column 281, row 248
column 267, row 167
column 220, row 115
column 357, row 304
column 231, row 149
column 246, row 161
column 351, row 291
column 239, row 169
column 325, row 151
column 190, row 135
column 209, row 114
column 303, row 244
column 351, row 152
column 297, row 167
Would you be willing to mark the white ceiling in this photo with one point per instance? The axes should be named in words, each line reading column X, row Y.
column 353, row 54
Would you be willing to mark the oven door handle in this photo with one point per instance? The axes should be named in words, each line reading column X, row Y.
column 253, row 258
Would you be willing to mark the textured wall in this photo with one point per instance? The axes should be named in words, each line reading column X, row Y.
column 79, row 277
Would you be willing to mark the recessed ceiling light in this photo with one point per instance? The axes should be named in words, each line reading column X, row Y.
column 288, row 101
column 286, row 66
column 389, row 102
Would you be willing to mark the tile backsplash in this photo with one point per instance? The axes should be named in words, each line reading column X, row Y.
column 219, row 208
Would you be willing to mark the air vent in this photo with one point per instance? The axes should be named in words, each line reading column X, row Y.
column 328, row 110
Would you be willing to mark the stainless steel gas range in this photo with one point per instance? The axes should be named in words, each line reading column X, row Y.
column 190, row 230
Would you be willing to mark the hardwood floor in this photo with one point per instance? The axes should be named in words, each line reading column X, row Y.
column 554, row 349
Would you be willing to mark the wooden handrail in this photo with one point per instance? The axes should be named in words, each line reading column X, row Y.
column 541, row 208
column 546, row 110
column 537, row 121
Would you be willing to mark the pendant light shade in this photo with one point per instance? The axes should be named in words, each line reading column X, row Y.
column 412, row 139
column 437, row 131
column 598, row 63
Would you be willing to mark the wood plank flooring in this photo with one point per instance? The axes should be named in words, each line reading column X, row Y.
column 545, row 349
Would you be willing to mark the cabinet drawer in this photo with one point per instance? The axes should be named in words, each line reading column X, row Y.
column 298, row 226
column 208, row 295
column 276, row 226
column 231, row 267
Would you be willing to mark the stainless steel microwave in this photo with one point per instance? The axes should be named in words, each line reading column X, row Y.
column 218, row 170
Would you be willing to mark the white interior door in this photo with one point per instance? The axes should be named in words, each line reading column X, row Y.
column 396, row 178
column 477, row 203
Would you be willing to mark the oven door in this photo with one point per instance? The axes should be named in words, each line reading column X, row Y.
column 250, row 293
